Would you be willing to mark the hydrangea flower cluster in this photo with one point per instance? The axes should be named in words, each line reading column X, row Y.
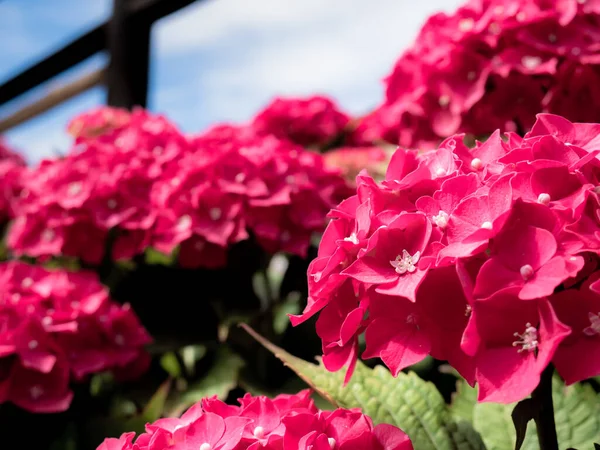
column 484, row 257
column 287, row 422
column 136, row 173
column 309, row 122
column 492, row 64
column 352, row 160
column 11, row 166
column 57, row 327
column 8, row 154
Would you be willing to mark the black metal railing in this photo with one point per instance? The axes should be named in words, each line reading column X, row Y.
column 125, row 36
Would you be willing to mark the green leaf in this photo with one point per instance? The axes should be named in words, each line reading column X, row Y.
column 155, row 406
column 576, row 412
column 276, row 271
column 463, row 401
column 219, row 380
column 407, row 401
column 154, row 257
column 152, row 411
column 577, row 415
column 190, row 355
column 291, row 305
column 100, row 383
column 170, row 364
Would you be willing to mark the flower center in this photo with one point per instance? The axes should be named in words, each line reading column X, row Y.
column 48, row 235
column 441, row 220
column 531, row 62
column 206, row 446
column 476, row 164
column 184, row 223
column 259, row 432
column 487, row 225
column 594, row 327
column 468, row 310
column 36, row 392
column 528, row 340
column 544, row 198
column 352, row 238
column 466, row 24
column 526, row 271
column 405, row 262
column 444, row 100
column 215, row 213
column 331, row 442
column 74, row 188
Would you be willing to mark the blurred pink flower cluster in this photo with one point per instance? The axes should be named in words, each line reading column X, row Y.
column 57, row 327
column 484, row 257
column 11, row 165
column 287, row 422
column 309, row 122
column 138, row 174
column 492, row 64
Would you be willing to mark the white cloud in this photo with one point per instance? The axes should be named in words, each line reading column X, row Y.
column 224, row 59
column 257, row 49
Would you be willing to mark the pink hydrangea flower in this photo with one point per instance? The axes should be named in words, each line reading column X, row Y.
column 307, row 122
column 287, row 422
column 471, row 255
column 489, row 65
column 57, row 327
column 136, row 179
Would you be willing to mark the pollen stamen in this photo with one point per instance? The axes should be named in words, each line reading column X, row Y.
column 594, row 328
column 352, row 238
column 528, row 341
column 405, row 262
column 441, row 220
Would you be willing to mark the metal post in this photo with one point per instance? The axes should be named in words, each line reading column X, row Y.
column 129, row 47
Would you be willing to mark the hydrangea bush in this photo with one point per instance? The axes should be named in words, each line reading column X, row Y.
column 486, row 258
column 493, row 64
column 11, row 166
column 159, row 188
column 479, row 254
column 286, row 422
column 59, row 327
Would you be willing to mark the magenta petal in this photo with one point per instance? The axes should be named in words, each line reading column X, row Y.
column 494, row 276
column 370, row 270
column 207, row 428
column 398, row 347
column 545, row 280
column 234, row 427
column 552, row 332
column 391, row 437
column 506, row 376
column 579, row 361
column 471, row 340
column 313, row 306
column 405, row 286
column 526, row 245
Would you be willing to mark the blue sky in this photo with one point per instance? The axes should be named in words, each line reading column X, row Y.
column 219, row 60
